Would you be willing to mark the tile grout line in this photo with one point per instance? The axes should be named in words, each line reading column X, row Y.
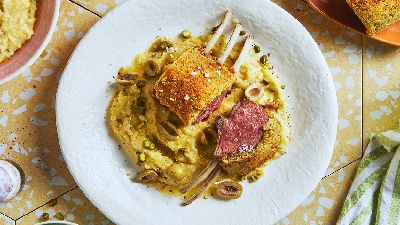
column 43, row 204
column 341, row 168
column 87, row 9
column 6, row 216
column 362, row 111
column 362, row 95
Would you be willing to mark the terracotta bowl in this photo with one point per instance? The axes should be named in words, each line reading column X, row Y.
column 46, row 19
column 340, row 12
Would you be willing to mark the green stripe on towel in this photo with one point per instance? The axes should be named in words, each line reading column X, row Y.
column 366, row 212
column 364, row 186
column 395, row 208
column 374, row 197
column 371, row 157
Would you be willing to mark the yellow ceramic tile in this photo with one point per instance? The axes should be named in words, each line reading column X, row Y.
column 29, row 133
column 381, row 87
column 342, row 49
column 6, row 220
column 323, row 206
column 27, row 117
column 72, row 206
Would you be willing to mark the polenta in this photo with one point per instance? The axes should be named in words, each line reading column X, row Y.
column 166, row 147
column 17, row 19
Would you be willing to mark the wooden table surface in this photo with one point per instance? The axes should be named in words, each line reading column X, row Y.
column 367, row 80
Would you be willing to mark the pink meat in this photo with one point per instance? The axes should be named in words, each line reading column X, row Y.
column 242, row 131
column 210, row 108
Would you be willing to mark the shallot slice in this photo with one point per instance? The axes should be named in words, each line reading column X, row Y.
column 10, row 181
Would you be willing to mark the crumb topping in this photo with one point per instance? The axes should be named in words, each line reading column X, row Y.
column 179, row 80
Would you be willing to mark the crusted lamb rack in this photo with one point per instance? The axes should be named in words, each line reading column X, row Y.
column 195, row 85
column 236, row 151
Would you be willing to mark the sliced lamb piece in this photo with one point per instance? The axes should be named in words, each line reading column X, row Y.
column 210, row 108
column 242, row 131
column 237, row 138
column 242, row 145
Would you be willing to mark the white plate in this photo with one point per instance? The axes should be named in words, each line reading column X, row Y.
column 99, row 167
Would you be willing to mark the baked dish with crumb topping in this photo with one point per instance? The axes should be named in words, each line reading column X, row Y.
column 199, row 115
column 376, row 15
column 17, row 20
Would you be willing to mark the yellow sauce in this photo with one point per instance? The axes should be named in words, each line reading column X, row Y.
column 178, row 161
column 17, row 19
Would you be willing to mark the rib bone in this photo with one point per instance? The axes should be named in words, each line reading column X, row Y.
column 203, row 175
column 211, row 179
column 231, row 43
column 218, row 32
column 212, row 170
column 247, row 45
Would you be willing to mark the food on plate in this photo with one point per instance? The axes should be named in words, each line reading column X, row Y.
column 200, row 112
column 10, row 181
column 227, row 190
column 17, row 19
column 200, row 97
column 376, row 15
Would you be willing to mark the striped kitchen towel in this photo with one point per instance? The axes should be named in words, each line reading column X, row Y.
column 374, row 196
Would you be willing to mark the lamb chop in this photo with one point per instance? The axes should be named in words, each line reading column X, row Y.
column 195, row 85
column 238, row 136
